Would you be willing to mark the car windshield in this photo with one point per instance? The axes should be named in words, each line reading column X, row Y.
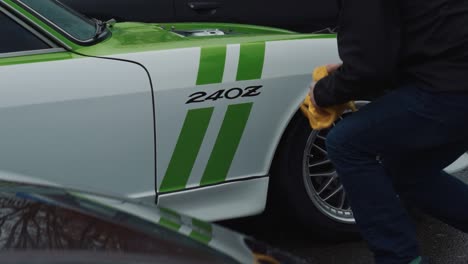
column 70, row 22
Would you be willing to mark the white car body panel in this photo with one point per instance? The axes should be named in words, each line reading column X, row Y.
column 84, row 123
column 220, row 202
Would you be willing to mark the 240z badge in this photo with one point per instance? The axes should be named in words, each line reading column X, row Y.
column 231, row 94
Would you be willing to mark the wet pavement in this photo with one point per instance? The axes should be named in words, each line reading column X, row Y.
column 441, row 243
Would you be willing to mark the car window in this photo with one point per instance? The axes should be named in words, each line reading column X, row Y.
column 74, row 24
column 16, row 38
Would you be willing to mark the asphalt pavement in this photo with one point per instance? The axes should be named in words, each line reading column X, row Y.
column 441, row 243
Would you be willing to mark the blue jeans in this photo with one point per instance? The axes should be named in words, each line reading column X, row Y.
column 394, row 150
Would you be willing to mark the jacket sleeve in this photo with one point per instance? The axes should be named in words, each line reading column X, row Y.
column 369, row 38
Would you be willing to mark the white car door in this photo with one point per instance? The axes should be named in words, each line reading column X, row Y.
column 76, row 121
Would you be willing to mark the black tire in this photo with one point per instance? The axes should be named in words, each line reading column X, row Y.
column 288, row 195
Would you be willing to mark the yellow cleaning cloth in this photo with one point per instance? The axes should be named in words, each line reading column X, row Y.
column 324, row 117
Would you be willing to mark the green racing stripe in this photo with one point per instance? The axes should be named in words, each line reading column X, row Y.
column 186, row 150
column 169, row 224
column 170, row 219
column 201, row 231
column 226, row 145
column 251, row 60
column 191, row 138
column 213, row 59
column 211, row 69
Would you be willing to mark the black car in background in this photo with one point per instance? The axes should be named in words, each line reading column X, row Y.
column 296, row 15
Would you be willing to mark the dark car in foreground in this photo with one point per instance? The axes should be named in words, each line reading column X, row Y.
column 53, row 225
column 297, row 15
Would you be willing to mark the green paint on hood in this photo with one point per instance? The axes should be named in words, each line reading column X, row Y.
column 130, row 37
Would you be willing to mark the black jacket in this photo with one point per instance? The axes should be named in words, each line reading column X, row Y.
column 386, row 43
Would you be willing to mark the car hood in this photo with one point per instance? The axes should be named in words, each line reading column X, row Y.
column 130, row 37
column 59, row 220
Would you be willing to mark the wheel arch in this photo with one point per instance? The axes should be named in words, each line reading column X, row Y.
column 296, row 117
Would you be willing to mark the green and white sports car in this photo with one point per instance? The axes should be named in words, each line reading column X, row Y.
column 201, row 118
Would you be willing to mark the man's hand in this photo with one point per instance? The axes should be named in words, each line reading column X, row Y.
column 333, row 67
column 330, row 68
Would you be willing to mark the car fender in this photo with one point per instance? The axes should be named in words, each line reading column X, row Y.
column 283, row 73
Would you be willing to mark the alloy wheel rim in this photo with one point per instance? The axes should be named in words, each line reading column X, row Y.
column 322, row 182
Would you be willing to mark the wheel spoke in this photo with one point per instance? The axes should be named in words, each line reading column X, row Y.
column 320, row 163
column 333, row 193
column 329, row 182
column 320, row 149
column 324, row 174
column 343, row 199
column 321, row 137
